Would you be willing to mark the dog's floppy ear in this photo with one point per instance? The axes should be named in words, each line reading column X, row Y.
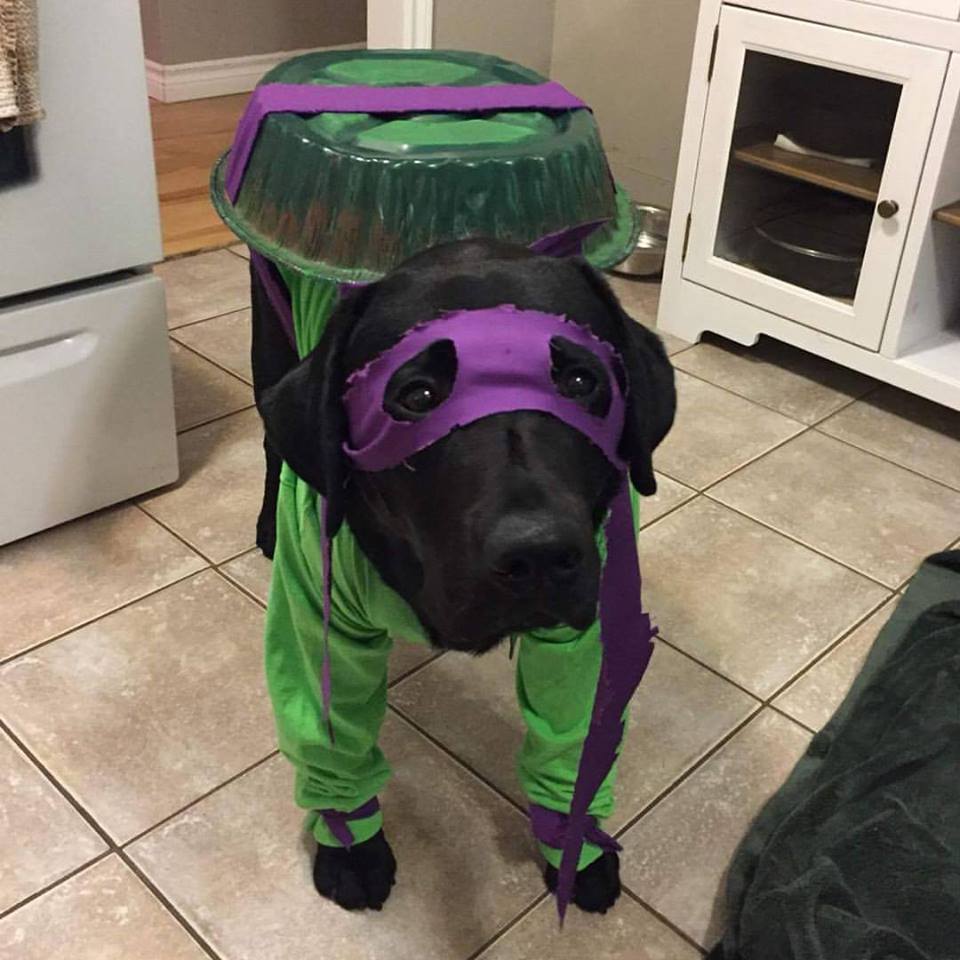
column 651, row 394
column 303, row 413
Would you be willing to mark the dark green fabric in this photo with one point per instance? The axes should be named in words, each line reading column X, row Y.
column 857, row 857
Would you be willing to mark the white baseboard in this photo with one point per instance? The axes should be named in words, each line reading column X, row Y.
column 171, row 83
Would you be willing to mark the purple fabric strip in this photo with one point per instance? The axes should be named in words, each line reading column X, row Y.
column 277, row 292
column 552, row 828
column 337, row 821
column 627, row 637
column 315, row 98
column 565, row 243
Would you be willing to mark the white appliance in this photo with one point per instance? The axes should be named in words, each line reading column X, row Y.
column 86, row 401
column 890, row 71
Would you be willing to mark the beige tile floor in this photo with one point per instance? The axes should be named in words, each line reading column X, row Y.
column 145, row 813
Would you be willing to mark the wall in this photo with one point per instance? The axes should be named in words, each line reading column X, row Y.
column 520, row 30
column 630, row 60
column 185, row 31
column 152, row 31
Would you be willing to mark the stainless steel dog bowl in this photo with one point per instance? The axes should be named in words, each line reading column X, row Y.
column 646, row 258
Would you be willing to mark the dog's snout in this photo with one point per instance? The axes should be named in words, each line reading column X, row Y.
column 524, row 551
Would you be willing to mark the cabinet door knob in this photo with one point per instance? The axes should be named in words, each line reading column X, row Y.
column 887, row 208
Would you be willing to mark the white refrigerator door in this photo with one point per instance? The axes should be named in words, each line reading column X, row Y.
column 91, row 208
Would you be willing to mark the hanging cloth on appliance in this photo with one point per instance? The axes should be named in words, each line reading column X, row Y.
column 19, row 81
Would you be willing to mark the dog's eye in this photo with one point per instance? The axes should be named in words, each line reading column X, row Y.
column 418, row 397
column 577, row 382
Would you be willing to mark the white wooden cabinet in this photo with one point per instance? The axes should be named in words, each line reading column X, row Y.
column 837, row 248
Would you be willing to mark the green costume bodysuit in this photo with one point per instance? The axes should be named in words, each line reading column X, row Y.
column 557, row 669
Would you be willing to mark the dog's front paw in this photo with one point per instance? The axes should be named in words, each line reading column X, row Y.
column 357, row 878
column 596, row 888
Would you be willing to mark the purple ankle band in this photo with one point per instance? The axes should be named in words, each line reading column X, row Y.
column 316, row 98
column 551, row 828
column 337, row 820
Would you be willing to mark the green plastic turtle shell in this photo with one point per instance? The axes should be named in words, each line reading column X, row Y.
column 349, row 196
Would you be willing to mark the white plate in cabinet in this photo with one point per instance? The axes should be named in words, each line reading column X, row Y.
column 730, row 197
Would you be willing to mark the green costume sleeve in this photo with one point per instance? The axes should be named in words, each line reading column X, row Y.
column 344, row 775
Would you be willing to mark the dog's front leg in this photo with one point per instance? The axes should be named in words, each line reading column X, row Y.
column 337, row 778
column 556, row 686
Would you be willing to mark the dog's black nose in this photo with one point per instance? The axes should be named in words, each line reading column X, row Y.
column 526, row 550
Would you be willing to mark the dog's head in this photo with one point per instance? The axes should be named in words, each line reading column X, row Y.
column 492, row 529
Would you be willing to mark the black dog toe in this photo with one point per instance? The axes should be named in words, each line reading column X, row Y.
column 377, row 868
column 358, row 878
column 596, row 888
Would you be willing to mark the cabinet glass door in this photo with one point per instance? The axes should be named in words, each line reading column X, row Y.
column 813, row 144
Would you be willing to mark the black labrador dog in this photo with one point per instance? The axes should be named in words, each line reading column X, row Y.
column 470, row 499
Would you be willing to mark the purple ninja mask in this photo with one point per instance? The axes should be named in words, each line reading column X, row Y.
column 503, row 365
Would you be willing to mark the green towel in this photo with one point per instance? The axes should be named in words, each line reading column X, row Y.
column 857, row 857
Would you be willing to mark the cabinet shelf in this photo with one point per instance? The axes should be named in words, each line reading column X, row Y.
column 860, row 182
column 949, row 214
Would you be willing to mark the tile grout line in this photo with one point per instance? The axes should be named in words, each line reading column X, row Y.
column 414, row 670
column 187, row 254
column 461, row 763
column 802, row 543
column 171, row 331
column 246, row 594
column 174, row 533
column 204, row 796
column 507, row 927
column 114, row 848
column 78, row 807
column 666, row 513
column 794, row 677
column 872, row 453
column 742, row 466
column 37, row 894
column 207, row 559
column 220, row 416
column 688, row 773
column 105, row 613
column 827, row 651
column 765, row 704
column 213, row 362
column 710, row 669
column 167, row 905
column 246, row 591
column 786, row 716
column 765, row 406
column 666, row 921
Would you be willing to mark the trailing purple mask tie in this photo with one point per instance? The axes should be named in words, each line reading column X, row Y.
column 503, row 365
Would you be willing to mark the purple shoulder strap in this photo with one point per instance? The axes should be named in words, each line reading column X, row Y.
column 315, row 98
